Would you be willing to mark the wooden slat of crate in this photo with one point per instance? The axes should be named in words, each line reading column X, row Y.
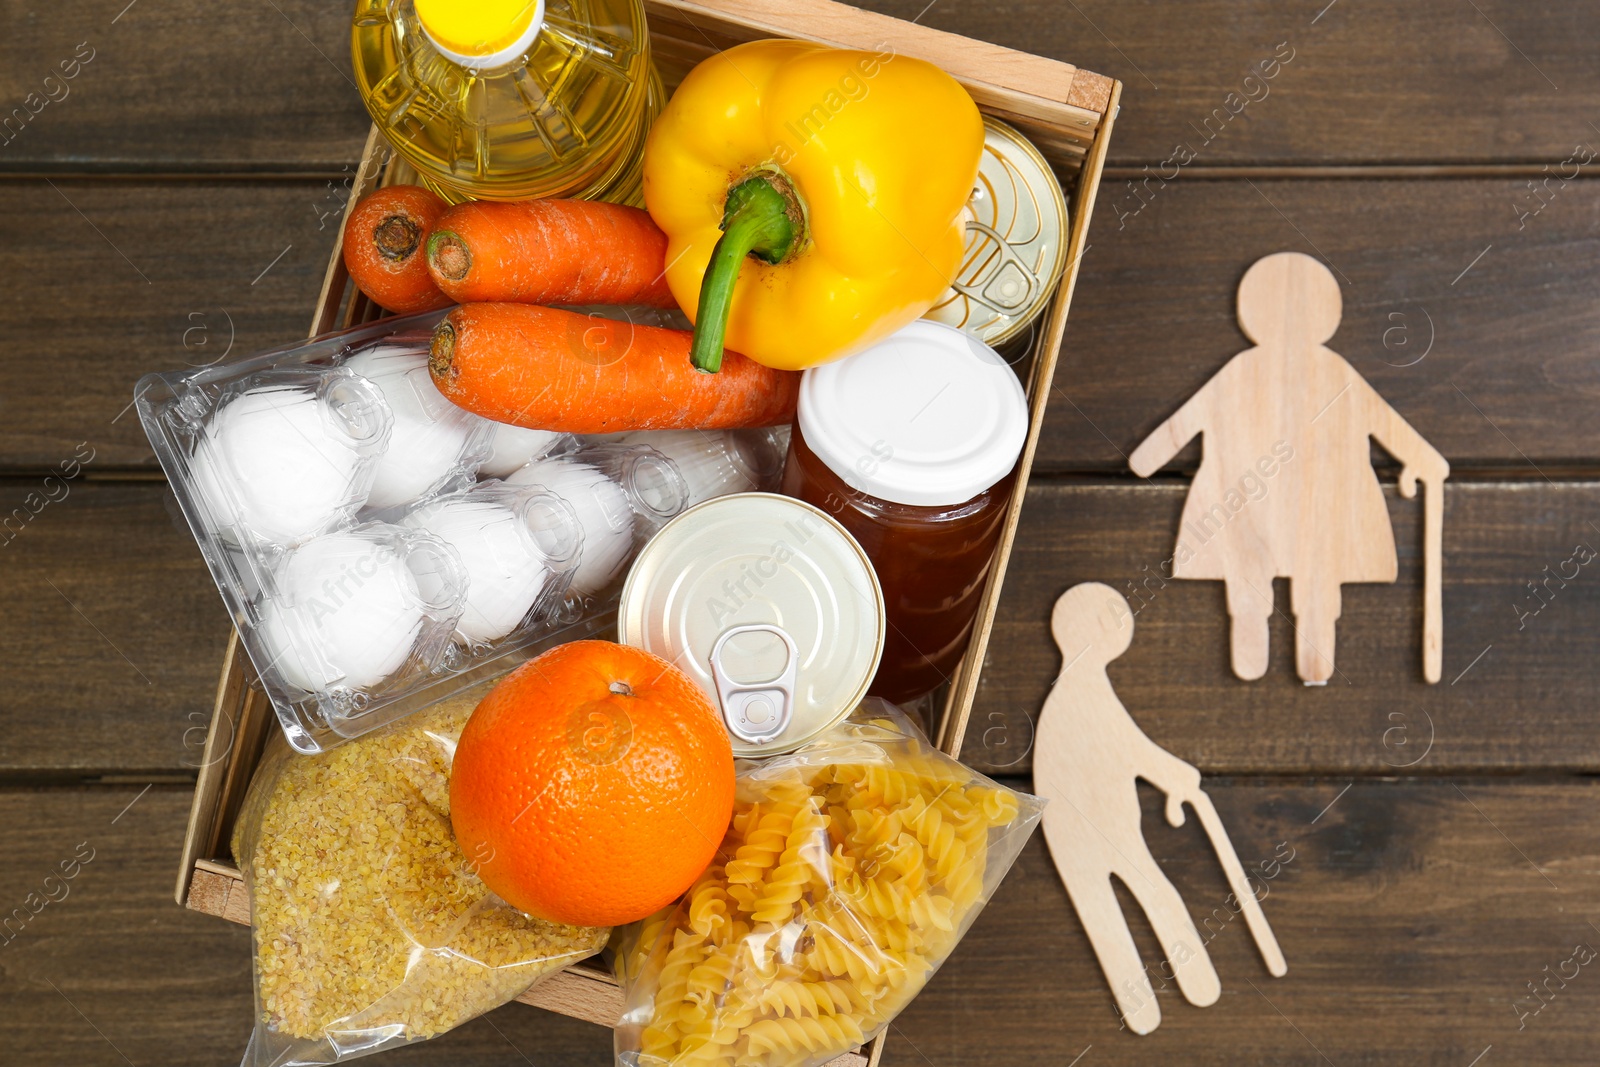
column 1058, row 105
column 963, row 689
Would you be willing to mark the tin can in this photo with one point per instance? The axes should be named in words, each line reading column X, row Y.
column 770, row 606
column 1016, row 241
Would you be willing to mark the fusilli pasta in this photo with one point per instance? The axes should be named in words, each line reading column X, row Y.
column 839, row 888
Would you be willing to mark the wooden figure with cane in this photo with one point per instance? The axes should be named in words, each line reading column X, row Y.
column 1295, row 408
column 1088, row 755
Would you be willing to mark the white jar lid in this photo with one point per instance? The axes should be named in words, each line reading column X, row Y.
column 929, row 417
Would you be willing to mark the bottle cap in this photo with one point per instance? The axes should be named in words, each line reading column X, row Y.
column 481, row 33
column 929, row 417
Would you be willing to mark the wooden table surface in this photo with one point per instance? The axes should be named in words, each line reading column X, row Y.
column 1439, row 846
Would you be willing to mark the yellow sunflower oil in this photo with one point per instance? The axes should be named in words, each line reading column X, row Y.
column 511, row 99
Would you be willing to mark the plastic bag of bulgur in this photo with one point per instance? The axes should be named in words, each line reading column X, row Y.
column 371, row 927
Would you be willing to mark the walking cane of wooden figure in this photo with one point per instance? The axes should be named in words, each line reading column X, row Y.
column 1087, row 757
column 1286, row 487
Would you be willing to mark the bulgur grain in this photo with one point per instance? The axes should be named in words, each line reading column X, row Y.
column 366, row 913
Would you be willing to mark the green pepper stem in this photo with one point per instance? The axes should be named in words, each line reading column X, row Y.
column 759, row 219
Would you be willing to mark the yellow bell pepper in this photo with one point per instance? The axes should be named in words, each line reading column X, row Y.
column 812, row 197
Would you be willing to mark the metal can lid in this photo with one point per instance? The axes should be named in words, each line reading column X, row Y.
column 769, row 605
column 1016, row 241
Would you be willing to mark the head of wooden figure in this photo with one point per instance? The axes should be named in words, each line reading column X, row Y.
column 1289, row 300
column 1091, row 623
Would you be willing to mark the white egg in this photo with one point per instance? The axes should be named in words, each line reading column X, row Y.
column 271, row 462
column 505, row 571
column 431, row 438
column 347, row 613
column 516, row 446
column 602, row 511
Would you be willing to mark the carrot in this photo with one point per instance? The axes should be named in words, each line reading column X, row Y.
column 550, row 252
column 384, row 248
column 548, row 369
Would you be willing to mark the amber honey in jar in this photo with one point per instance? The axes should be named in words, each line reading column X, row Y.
column 912, row 445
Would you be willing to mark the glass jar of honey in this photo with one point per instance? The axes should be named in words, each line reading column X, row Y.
column 912, row 446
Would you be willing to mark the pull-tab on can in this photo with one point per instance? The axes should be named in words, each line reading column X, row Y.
column 770, row 606
column 756, row 712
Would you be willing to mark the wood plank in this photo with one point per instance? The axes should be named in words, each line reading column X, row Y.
column 1433, row 81
column 1411, row 926
column 1526, row 703
column 188, row 86
column 1508, row 381
column 152, row 981
column 1413, row 915
column 143, row 276
column 1519, row 679
column 113, row 632
column 1480, row 334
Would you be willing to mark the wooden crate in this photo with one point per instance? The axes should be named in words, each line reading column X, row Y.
column 1067, row 112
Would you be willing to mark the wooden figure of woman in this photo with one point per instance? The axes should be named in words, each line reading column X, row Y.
column 1286, row 486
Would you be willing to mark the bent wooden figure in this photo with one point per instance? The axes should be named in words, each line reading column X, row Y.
column 1088, row 756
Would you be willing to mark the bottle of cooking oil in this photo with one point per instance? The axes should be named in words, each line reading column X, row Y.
column 510, row 99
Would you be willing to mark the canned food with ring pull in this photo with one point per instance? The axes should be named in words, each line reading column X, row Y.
column 770, row 606
column 1017, row 234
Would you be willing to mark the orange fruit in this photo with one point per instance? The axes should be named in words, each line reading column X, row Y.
column 593, row 785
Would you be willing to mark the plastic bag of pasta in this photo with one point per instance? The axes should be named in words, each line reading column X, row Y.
column 372, row 928
column 851, row 869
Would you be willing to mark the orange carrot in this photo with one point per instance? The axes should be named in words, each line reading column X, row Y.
column 384, row 248
column 550, row 252
column 548, row 369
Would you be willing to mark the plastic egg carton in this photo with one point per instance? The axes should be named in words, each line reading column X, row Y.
column 380, row 549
